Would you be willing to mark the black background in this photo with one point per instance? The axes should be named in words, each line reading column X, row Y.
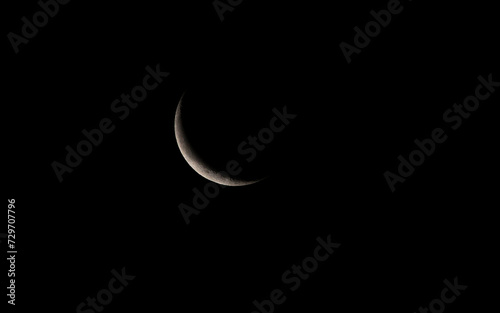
column 119, row 208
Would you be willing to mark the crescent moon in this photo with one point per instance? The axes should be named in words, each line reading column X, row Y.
column 196, row 161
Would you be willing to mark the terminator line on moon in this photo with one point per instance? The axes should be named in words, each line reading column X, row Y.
column 196, row 161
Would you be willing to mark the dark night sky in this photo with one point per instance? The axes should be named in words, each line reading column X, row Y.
column 119, row 207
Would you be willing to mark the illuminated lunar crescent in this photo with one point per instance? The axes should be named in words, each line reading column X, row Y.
column 196, row 161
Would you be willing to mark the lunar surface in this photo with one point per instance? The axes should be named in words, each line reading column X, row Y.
column 194, row 158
